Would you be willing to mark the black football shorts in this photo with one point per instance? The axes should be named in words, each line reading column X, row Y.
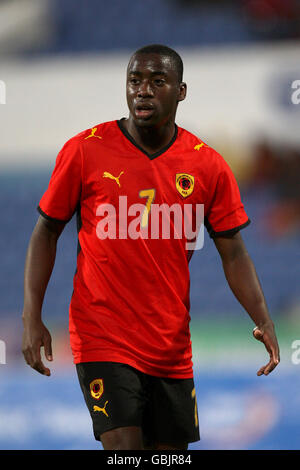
column 119, row 395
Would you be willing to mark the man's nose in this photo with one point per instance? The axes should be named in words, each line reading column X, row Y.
column 145, row 89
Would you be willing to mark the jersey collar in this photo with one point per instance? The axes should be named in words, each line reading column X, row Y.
column 151, row 156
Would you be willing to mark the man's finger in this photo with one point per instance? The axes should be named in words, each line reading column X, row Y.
column 37, row 361
column 36, row 353
column 275, row 356
column 271, row 366
column 39, row 367
column 28, row 357
column 48, row 348
column 265, row 370
column 261, row 370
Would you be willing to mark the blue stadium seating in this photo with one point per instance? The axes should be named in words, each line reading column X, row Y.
column 97, row 25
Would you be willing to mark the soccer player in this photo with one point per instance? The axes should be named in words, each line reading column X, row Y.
column 129, row 312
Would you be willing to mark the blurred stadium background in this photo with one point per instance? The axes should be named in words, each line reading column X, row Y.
column 63, row 69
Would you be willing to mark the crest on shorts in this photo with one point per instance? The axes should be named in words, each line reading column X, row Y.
column 185, row 184
column 97, row 388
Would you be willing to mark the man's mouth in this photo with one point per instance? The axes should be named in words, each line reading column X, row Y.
column 144, row 110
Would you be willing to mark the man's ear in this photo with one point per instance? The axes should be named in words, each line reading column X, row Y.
column 182, row 91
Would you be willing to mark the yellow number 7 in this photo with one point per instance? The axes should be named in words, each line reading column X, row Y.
column 150, row 194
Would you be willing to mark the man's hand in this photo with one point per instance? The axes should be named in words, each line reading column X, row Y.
column 266, row 334
column 35, row 336
column 244, row 283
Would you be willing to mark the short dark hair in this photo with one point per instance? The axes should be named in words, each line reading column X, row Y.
column 164, row 51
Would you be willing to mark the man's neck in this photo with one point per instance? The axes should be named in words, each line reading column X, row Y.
column 151, row 139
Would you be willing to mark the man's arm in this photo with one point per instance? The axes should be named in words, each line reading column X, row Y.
column 39, row 264
column 243, row 281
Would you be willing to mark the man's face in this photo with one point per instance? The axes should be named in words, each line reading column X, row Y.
column 153, row 89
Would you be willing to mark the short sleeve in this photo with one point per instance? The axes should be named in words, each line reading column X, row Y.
column 225, row 213
column 60, row 200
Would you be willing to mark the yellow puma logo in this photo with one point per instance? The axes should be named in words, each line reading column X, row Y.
column 198, row 147
column 92, row 134
column 97, row 408
column 116, row 178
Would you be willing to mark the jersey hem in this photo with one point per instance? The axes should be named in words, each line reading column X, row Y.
column 146, row 370
column 231, row 231
column 48, row 217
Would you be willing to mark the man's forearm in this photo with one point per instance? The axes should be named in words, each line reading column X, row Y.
column 39, row 264
column 244, row 283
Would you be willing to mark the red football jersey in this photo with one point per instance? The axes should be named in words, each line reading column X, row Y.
column 130, row 302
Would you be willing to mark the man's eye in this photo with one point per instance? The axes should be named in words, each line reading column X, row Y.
column 159, row 81
column 134, row 81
